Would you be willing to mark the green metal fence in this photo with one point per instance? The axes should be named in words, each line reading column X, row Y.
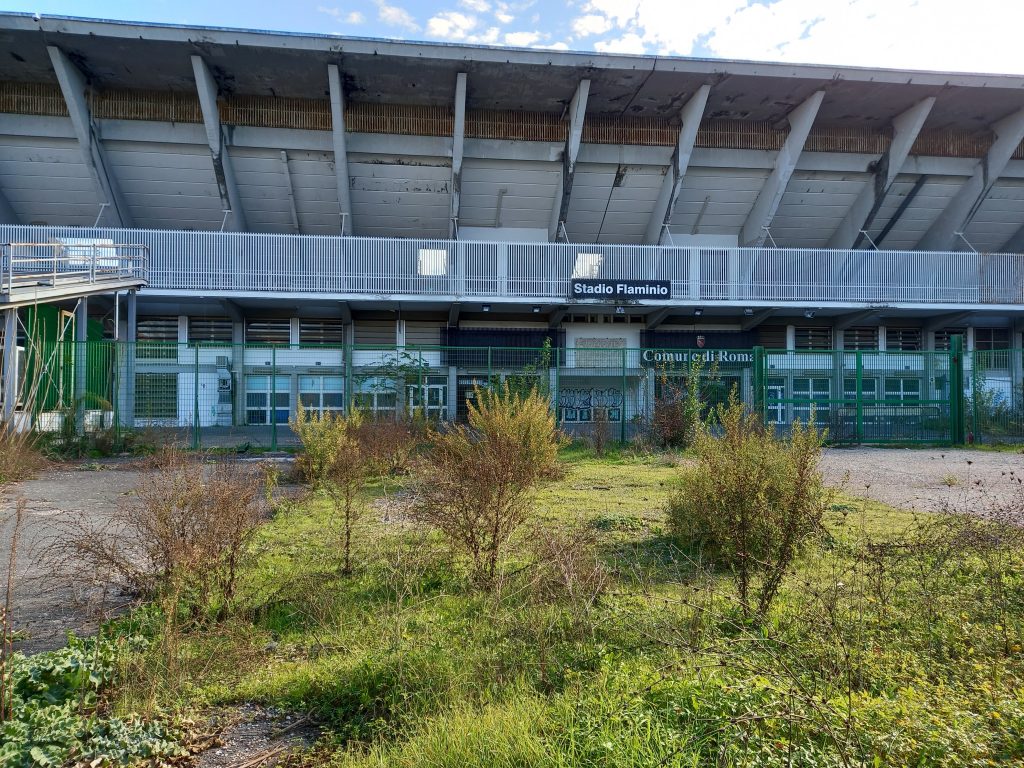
column 226, row 394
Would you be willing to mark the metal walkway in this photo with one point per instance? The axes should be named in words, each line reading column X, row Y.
column 40, row 273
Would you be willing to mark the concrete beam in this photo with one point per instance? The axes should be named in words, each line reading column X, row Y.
column 345, row 313
column 938, row 322
column 340, row 150
column 861, row 215
column 230, row 198
column 453, row 315
column 800, row 121
column 854, row 318
column 232, row 310
column 1015, row 244
column 458, row 144
column 965, row 203
column 665, row 205
column 756, row 319
column 657, row 317
column 563, row 192
column 290, row 191
column 73, row 86
column 7, row 212
column 555, row 318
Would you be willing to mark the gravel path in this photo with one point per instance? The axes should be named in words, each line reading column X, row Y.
column 927, row 479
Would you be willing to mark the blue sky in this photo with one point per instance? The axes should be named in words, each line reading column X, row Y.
column 979, row 36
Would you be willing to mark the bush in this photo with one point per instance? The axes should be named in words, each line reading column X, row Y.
column 346, row 476
column 680, row 408
column 750, row 500
column 320, row 435
column 19, row 458
column 475, row 482
column 387, row 444
column 188, row 524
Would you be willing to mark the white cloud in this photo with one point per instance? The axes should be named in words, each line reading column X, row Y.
column 559, row 46
column 501, row 13
column 355, row 18
column 488, row 37
column 480, row 6
column 522, row 39
column 591, row 24
column 983, row 36
column 630, row 42
column 394, row 16
column 332, row 12
column 451, row 25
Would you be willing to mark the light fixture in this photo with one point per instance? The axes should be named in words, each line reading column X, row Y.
column 748, row 311
column 698, row 311
column 620, row 310
column 485, row 307
column 809, row 314
column 536, row 309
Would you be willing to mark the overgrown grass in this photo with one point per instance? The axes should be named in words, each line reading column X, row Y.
column 878, row 651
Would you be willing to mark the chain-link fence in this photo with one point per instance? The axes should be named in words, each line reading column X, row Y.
column 232, row 394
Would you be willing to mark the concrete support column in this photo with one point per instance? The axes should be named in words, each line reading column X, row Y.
column 238, row 371
column 10, row 364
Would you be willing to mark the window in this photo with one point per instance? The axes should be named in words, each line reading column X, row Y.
column 988, row 339
column 259, row 392
column 863, row 337
column 321, row 332
column 156, row 396
column 157, row 338
column 808, row 392
column 431, row 399
column 376, row 396
column 902, row 390
column 942, row 338
column 868, row 389
column 775, row 395
column 322, row 394
column 432, row 262
column 587, row 266
column 903, row 339
column 268, row 331
column 209, row 329
column 813, row 337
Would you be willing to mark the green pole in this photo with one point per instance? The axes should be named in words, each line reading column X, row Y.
column 974, row 391
column 860, row 396
column 195, row 400
column 423, row 394
column 273, row 398
column 956, row 389
column 489, row 371
column 558, row 384
column 349, row 395
column 622, row 411
column 760, row 392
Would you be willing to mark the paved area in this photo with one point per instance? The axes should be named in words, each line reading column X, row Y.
column 928, row 479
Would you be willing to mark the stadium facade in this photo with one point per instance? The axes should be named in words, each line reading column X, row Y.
column 338, row 200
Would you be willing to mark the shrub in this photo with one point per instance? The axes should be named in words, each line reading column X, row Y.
column 19, row 458
column 475, row 482
column 187, row 523
column 346, row 476
column 320, row 435
column 750, row 500
column 387, row 444
column 679, row 409
column 600, row 433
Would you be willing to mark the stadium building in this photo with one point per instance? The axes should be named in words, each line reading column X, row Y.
column 249, row 220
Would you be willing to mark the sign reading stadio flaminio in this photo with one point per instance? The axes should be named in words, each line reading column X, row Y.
column 620, row 290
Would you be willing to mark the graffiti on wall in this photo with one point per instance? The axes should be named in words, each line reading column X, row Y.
column 586, row 404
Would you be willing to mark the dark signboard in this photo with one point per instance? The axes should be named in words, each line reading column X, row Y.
column 620, row 290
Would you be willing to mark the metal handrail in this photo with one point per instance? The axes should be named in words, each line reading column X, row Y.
column 232, row 262
column 32, row 264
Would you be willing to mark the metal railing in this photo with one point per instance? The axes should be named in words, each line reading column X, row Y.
column 69, row 262
column 383, row 267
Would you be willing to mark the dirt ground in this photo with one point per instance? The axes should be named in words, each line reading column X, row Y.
column 45, row 607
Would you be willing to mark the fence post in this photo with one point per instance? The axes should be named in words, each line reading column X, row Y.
column 273, row 398
column 489, row 370
column 349, row 395
column 956, row 389
column 760, row 393
column 974, row 431
column 423, row 393
column 554, row 395
column 622, row 411
column 860, row 397
column 195, row 399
